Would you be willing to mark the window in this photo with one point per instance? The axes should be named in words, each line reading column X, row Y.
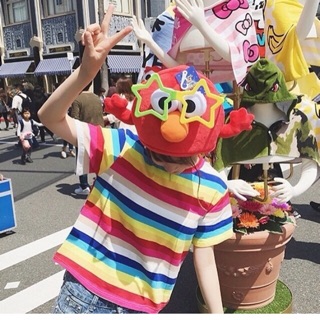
column 122, row 6
column 60, row 38
column 18, row 43
column 55, row 7
column 16, row 11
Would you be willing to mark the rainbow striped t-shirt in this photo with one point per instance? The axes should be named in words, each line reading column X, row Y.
column 139, row 221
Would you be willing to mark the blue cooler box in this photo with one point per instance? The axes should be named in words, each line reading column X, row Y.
column 7, row 212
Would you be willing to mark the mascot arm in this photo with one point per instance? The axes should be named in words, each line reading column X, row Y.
column 239, row 187
column 284, row 191
column 306, row 19
column 239, row 120
column 144, row 36
column 118, row 107
column 194, row 13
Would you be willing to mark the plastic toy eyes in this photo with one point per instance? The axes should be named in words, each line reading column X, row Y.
column 147, row 75
column 196, row 105
column 158, row 102
column 275, row 87
column 247, row 87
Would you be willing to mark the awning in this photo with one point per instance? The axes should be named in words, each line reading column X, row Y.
column 14, row 69
column 124, row 64
column 54, row 66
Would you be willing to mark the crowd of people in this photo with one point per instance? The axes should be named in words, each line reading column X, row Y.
column 20, row 103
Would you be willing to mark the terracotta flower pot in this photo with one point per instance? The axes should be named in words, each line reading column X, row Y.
column 249, row 267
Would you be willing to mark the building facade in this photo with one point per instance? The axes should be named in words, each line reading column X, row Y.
column 40, row 39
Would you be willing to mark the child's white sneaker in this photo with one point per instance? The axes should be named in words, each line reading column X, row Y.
column 81, row 191
column 72, row 153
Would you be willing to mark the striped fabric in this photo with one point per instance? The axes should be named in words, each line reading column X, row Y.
column 124, row 63
column 59, row 66
column 139, row 221
column 14, row 69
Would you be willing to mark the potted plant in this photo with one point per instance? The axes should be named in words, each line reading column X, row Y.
column 249, row 262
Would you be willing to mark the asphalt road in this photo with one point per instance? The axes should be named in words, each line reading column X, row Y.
column 46, row 208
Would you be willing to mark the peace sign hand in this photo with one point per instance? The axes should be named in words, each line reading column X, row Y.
column 98, row 44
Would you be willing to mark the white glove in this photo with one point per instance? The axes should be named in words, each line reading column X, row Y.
column 285, row 191
column 140, row 31
column 241, row 188
column 194, row 12
column 145, row 36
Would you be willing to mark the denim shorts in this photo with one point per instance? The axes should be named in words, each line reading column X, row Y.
column 75, row 298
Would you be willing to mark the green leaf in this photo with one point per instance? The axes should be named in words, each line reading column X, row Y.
column 241, row 230
column 273, row 227
column 290, row 220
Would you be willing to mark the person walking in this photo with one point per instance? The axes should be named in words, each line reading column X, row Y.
column 12, row 113
column 65, row 144
column 87, row 108
column 26, row 132
column 4, row 109
column 39, row 98
column 65, row 152
column 19, row 101
column 154, row 196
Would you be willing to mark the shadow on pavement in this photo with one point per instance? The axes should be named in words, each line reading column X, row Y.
column 307, row 251
column 68, row 189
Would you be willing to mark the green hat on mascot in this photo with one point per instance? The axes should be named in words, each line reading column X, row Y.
column 265, row 83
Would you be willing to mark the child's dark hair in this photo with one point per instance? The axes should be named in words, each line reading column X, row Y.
column 25, row 109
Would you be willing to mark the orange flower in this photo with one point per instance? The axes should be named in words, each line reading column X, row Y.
column 248, row 220
column 252, row 215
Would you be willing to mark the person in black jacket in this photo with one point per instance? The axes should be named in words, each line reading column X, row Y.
column 39, row 98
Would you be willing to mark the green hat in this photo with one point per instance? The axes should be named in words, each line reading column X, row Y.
column 265, row 83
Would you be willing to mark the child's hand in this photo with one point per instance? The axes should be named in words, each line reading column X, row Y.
column 98, row 44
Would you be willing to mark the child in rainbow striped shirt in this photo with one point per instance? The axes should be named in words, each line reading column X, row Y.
column 154, row 196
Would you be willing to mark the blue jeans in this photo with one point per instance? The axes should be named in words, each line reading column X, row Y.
column 75, row 298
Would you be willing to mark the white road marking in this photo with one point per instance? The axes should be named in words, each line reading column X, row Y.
column 12, row 285
column 33, row 296
column 31, row 249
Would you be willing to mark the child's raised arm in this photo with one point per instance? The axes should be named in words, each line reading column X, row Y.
column 53, row 114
